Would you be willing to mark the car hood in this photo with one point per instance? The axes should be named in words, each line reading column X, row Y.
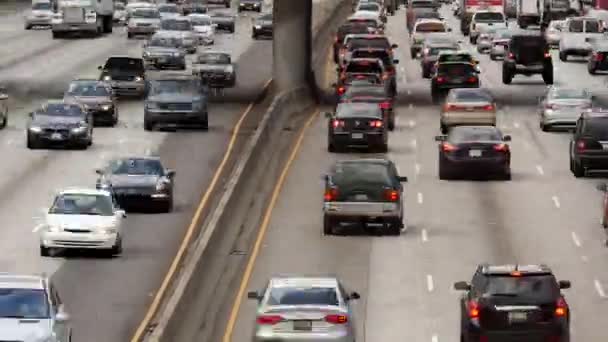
column 133, row 180
column 174, row 98
column 213, row 67
column 161, row 50
column 48, row 120
column 88, row 99
column 12, row 329
column 146, row 21
column 79, row 221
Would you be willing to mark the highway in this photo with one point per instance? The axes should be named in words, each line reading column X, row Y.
column 106, row 298
column 544, row 215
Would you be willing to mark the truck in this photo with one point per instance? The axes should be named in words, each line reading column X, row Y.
column 553, row 10
column 80, row 17
column 528, row 13
column 469, row 7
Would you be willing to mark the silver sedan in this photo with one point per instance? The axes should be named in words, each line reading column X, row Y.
column 561, row 107
column 304, row 309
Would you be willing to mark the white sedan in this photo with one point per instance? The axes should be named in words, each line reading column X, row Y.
column 82, row 219
column 203, row 28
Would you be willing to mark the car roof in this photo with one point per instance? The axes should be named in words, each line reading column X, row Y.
column 84, row 191
column 199, row 15
column 515, row 269
column 22, row 281
column 287, row 281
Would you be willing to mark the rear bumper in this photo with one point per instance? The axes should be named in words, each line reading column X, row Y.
column 478, row 165
column 263, row 31
column 38, row 21
column 446, row 87
column 166, row 62
column 468, row 118
column 602, row 66
column 381, row 210
column 78, row 27
column 556, row 332
column 368, row 139
column 593, row 161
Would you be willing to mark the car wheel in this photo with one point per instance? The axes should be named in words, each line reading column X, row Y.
column 435, row 96
column 507, row 175
column 425, row 73
column 391, row 124
column 28, row 27
column 328, row 228
column 331, row 148
column 254, row 36
column 563, row 56
column 394, row 228
column 117, row 248
column 543, row 127
column 383, row 148
column 32, row 144
column 168, row 206
column 604, row 222
column 443, row 172
column 228, row 4
column 129, row 35
column 492, row 57
column 148, row 125
column 4, row 121
column 577, row 170
column 507, row 77
column 548, row 76
column 56, row 35
column 591, row 71
column 45, row 251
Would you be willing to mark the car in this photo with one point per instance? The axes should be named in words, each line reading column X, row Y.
column 143, row 21
column 126, row 74
column 597, row 61
column 138, row 182
column 422, row 13
column 225, row 3
column 371, row 93
column 204, row 28
column 322, row 300
column 364, row 66
column 354, row 79
column 196, row 8
column 224, row 21
column 262, row 26
column 250, row 5
column 368, row 192
column 373, row 7
column 370, row 20
column 474, row 151
column 553, row 32
column 527, row 54
column 430, row 55
column 175, row 100
column 168, row 10
column 82, row 218
column 56, row 123
column 120, row 13
column 40, row 14
column 343, row 31
column 426, row 28
column 500, row 43
column 183, row 27
column 511, row 301
column 462, row 56
column 576, row 35
column 36, row 300
column 482, row 19
column 132, row 6
column 4, row 98
column 97, row 97
column 467, row 106
column 165, row 50
column 450, row 75
column 215, row 69
column 364, row 41
column 589, row 143
column 357, row 125
column 562, row 106
column 484, row 41
column 390, row 74
column 417, row 7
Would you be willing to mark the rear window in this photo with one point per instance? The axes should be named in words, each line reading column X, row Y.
column 470, row 95
column 361, row 173
column 596, row 128
column 353, row 78
column 379, row 42
column 430, row 27
column 455, row 57
column 436, row 50
column 537, row 287
column 568, row 94
column 364, row 67
column 380, row 54
column 358, row 110
column 368, row 22
column 466, row 134
column 592, row 26
column 303, row 296
column 489, row 17
column 352, row 29
column 125, row 64
column 365, row 91
column 576, row 26
column 456, row 69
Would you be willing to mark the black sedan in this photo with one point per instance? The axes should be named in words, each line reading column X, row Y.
column 262, row 26
column 474, row 150
column 451, row 75
column 138, row 182
column 357, row 125
column 97, row 98
column 372, row 94
column 250, row 5
column 57, row 123
column 224, row 21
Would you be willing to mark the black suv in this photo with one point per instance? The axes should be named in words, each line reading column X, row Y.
column 527, row 54
column 589, row 144
column 514, row 303
column 449, row 75
column 127, row 75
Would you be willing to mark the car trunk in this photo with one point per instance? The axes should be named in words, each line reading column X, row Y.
column 358, row 124
column 305, row 319
column 477, row 150
column 511, row 314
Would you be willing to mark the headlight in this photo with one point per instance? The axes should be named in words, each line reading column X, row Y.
column 257, row 27
column 152, row 105
column 161, row 186
column 78, row 129
column 176, row 54
column 106, row 107
column 107, row 78
column 53, row 229
column 146, row 54
column 109, row 230
column 35, row 129
column 138, row 79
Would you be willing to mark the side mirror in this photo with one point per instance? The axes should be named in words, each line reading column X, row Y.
column 602, row 187
column 395, row 61
column 99, row 171
column 62, row 316
column 440, row 138
column 403, row 179
column 564, row 284
column 449, row 29
column 170, row 173
column 30, row 114
column 328, row 115
column 99, row 67
column 354, row 296
column 121, row 213
column 325, row 178
column 462, row 286
column 506, row 138
column 253, row 295
column 394, row 46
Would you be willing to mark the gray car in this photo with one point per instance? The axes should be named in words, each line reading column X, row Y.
column 215, row 68
column 561, row 107
column 126, row 74
column 40, row 15
column 56, row 123
column 32, row 310
column 484, row 42
column 175, row 101
column 165, row 50
column 304, row 309
column 183, row 27
column 143, row 21
column 97, row 98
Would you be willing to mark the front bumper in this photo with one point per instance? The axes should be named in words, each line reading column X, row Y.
column 127, row 199
column 367, row 139
column 143, row 30
column 78, row 27
column 129, row 88
column 173, row 118
column 38, row 21
column 93, row 240
column 64, row 139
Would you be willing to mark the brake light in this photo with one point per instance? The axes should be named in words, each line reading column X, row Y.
column 505, row 148
column 385, row 105
column 598, row 57
column 547, row 54
column 472, row 79
column 337, row 123
column 511, row 55
column 341, row 90
column 561, row 308
column 580, row 145
column 336, row 319
column 473, row 309
column 331, row 194
column 269, row 319
column 376, row 123
column 440, row 79
column 450, row 107
column 549, row 106
column 391, row 195
column 336, row 39
column 447, row 147
column 385, row 76
column 488, row 108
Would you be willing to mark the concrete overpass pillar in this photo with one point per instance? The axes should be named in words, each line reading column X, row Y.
column 292, row 42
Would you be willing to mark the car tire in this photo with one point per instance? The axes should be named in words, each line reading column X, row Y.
column 383, row 148
column 493, row 57
column 435, row 96
column 443, row 128
column 254, row 36
column 507, row 175
column 56, row 35
column 129, row 35
column 148, row 125
column 413, row 53
column 443, row 172
column 227, row 4
column 543, row 127
column 117, row 249
column 577, row 169
column 4, row 121
column 591, row 71
column 548, row 76
column 28, row 27
column 563, row 56
column 391, row 124
column 426, row 73
column 45, row 251
column 32, row 144
column 328, row 225
column 507, row 77
column 168, row 206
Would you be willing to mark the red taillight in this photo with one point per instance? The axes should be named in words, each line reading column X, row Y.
column 336, row 319
column 598, row 56
column 376, row 123
column 450, row 107
column 269, row 319
column 385, row 76
column 385, row 105
column 511, row 55
column 341, row 90
column 580, row 145
column 447, row 147
column 336, row 39
column 472, row 79
column 391, row 195
column 547, row 54
column 337, row 123
column 440, row 79
column 561, row 308
column 549, row 106
column 489, row 108
column 473, row 309
column 331, row 194
column 502, row 148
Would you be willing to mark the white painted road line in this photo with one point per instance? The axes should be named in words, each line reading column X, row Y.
column 414, row 143
column 429, row 283
column 599, row 288
column 425, row 236
column 412, row 123
column 417, row 168
column 434, row 338
column 420, row 198
column 516, row 124
column 576, row 240
column 556, row 201
column 540, row 170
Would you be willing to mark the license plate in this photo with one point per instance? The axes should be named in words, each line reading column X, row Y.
column 518, row 316
column 361, row 197
column 357, row 135
column 474, row 153
column 56, row 136
column 302, row 325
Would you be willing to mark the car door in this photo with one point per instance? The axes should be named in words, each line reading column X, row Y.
column 577, row 133
column 60, row 329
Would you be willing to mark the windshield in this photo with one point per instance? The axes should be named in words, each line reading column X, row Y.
column 369, row 7
column 471, row 95
column 597, row 128
column 536, row 287
column 361, row 173
column 569, row 94
column 61, row 109
column 469, row 134
column 430, row 27
column 82, row 204
column 489, row 17
column 136, row 167
column 303, row 296
column 41, row 6
column 437, row 50
column 24, row 304
column 198, row 21
column 125, row 64
column 422, row 4
column 145, row 13
column 357, row 43
column 170, row 42
column 168, row 9
column 456, row 69
column 176, row 25
column 214, row 58
column 180, row 87
column 119, row 6
column 592, row 26
column 88, row 89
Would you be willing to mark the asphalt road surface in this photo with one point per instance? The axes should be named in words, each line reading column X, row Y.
column 544, row 215
column 106, row 297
